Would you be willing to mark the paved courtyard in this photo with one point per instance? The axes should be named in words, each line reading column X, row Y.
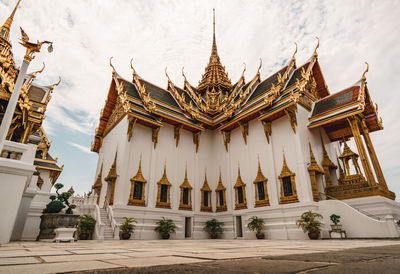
column 190, row 256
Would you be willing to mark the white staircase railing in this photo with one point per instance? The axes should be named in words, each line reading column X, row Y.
column 359, row 210
column 114, row 225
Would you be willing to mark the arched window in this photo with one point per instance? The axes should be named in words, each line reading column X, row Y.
column 138, row 182
column 260, row 188
column 221, row 195
column 186, row 194
column 205, row 196
column 163, row 193
column 240, row 193
column 288, row 185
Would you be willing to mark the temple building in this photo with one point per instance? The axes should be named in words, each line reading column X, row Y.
column 271, row 147
column 26, row 130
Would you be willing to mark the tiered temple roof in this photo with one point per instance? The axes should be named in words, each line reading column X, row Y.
column 217, row 104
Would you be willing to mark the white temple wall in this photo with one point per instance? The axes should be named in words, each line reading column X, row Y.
column 221, row 160
column 115, row 139
column 282, row 140
column 280, row 219
column 139, row 147
column 204, row 164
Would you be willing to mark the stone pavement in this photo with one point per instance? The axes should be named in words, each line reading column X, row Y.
column 192, row 256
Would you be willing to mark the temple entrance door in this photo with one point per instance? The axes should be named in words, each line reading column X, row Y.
column 239, row 231
column 188, row 227
column 108, row 195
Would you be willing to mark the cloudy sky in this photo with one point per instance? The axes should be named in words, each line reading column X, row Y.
column 157, row 34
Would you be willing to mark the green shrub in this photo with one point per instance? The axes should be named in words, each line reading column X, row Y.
column 256, row 224
column 309, row 223
column 214, row 228
column 165, row 226
column 86, row 224
column 128, row 226
column 60, row 198
column 335, row 219
column 54, row 207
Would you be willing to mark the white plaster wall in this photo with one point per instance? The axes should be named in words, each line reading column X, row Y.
column 15, row 176
column 32, row 222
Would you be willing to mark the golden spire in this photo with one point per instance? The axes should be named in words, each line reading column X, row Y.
column 220, row 185
column 205, row 186
column 112, row 174
column 260, row 176
column 139, row 175
column 313, row 163
column 239, row 181
column 214, row 52
column 215, row 76
column 5, row 29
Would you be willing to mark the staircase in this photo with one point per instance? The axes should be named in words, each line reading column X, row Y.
column 108, row 231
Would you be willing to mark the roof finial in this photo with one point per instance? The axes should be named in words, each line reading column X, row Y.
column 294, row 54
column 366, row 70
column 214, row 51
column 9, row 20
column 214, row 23
column 166, row 74
column 111, row 65
column 7, row 24
column 315, row 50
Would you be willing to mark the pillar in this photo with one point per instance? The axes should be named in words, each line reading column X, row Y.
column 361, row 150
column 372, row 155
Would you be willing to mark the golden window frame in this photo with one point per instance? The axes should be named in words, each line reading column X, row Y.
column 138, row 178
column 287, row 173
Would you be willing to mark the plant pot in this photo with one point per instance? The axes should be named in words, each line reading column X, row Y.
column 336, row 227
column 83, row 236
column 214, row 236
column 313, row 235
column 165, row 236
column 51, row 221
column 260, row 235
column 125, row 235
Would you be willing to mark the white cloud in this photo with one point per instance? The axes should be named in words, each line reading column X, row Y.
column 157, row 34
column 80, row 147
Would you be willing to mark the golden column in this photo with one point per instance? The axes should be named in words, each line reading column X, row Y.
column 372, row 154
column 353, row 122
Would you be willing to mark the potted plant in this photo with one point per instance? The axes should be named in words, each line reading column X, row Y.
column 256, row 224
column 214, row 228
column 336, row 220
column 165, row 227
column 86, row 226
column 53, row 217
column 127, row 228
column 310, row 224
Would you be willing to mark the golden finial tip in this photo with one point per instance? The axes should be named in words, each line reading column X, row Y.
column 59, row 81
column 44, row 65
column 366, row 70
column 259, row 67
column 111, row 65
column 315, row 50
